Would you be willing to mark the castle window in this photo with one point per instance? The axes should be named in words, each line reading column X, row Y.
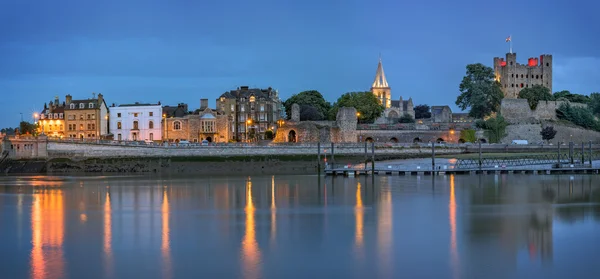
column 512, row 75
column 177, row 125
column 521, row 85
column 526, row 85
column 521, row 75
column 547, row 64
column 537, row 76
column 511, row 62
column 72, row 106
column 526, row 76
column 505, row 85
column 512, row 85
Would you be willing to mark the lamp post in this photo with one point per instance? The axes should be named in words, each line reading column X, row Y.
column 249, row 121
column 164, row 137
column 35, row 116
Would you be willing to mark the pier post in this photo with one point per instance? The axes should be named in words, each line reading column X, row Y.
column 373, row 157
column 582, row 153
column 366, row 156
column 590, row 154
column 558, row 162
column 432, row 157
column 480, row 163
column 319, row 157
column 332, row 158
column 571, row 152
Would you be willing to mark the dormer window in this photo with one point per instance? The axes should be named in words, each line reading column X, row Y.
column 50, row 116
column 72, row 106
column 82, row 105
column 60, row 115
column 91, row 105
column 56, row 116
column 252, row 99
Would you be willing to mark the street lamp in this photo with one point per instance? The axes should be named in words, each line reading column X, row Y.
column 249, row 121
column 164, row 116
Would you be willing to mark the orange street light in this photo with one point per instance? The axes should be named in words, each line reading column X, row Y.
column 358, row 114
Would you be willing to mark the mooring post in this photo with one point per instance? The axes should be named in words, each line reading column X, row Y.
column 432, row 157
column 558, row 162
column 366, row 156
column 373, row 157
column 590, row 154
column 571, row 152
column 319, row 157
column 480, row 163
column 332, row 158
column 582, row 153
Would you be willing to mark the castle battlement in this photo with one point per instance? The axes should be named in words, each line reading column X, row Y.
column 513, row 76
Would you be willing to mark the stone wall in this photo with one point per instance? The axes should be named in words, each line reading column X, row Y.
column 564, row 133
column 517, row 111
column 24, row 147
column 410, row 136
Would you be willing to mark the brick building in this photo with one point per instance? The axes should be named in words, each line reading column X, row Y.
column 252, row 108
column 52, row 119
column 202, row 124
column 86, row 118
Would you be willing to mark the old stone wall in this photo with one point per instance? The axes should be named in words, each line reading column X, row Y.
column 346, row 120
column 409, row 136
column 24, row 147
column 517, row 111
column 564, row 133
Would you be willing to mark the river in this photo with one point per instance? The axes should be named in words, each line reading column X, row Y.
column 302, row 226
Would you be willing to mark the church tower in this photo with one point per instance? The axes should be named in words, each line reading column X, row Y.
column 381, row 88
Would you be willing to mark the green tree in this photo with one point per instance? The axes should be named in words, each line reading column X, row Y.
column 535, row 94
column 310, row 113
column 495, row 128
column 406, row 118
column 365, row 103
column 574, row 98
column 580, row 116
column 479, row 91
column 422, row 111
column 548, row 133
column 308, row 98
column 468, row 135
column 594, row 103
column 27, row 128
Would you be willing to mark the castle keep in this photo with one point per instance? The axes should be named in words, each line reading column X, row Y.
column 513, row 77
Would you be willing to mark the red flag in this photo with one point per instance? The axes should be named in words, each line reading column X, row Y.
column 508, row 39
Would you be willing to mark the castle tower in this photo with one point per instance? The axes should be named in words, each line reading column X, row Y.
column 513, row 77
column 380, row 87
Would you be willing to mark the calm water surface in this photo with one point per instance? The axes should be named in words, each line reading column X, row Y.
column 493, row 226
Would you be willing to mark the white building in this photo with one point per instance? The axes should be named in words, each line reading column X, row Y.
column 136, row 122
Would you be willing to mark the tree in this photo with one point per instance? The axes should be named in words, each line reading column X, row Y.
column 574, row 98
column 548, row 133
column 468, row 135
column 594, row 103
column 364, row 102
column 422, row 111
column 406, row 118
column 535, row 94
column 580, row 116
column 479, row 91
column 28, row 128
column 311, row 98
column 495, row 128
column 310, row 113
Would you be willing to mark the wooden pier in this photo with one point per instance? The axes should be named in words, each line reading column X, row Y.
column 525, row 170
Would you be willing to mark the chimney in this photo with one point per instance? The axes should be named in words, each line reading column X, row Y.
column 69, row 98
column 100, row 99
column 203, row 104
column 56, row 100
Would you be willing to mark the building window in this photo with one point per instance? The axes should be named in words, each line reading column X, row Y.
column 89, row 126
column 262, row 107
column 232, row 107
column 150, row 125
column 50, row 116
column 177, row 125
column 119, row 137
column 537, row 76
column 135, row 114
column 252, row 99
column 81, row 105
column 90, row 105
column 151, row 136
column 151, row 113
column 81, row 127
column 72, row 106
column 242, row 108
column 510, row 62
column 119, row 114
column 526, row 76
column 93, row 126
column 512, row 85
column 135, row 125
column 521, row 75
column 208, row 126
column 60, row 115
column 547, row 64
column 119, row 125
column 521, row 85
column 512, row 75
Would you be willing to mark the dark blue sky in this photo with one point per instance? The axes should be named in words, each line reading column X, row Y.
column 180, row 51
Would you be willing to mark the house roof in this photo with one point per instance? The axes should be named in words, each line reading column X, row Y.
column 246, row 92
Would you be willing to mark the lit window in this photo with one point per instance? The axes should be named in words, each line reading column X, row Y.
column 232, row 107
column 151, row 113
column 252, row 99
column 135, row 114
column 119, row 125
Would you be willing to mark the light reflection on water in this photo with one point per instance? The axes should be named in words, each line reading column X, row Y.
column 301, row 226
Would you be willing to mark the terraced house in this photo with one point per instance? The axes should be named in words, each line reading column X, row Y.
column 52, row 119
column 86, row 118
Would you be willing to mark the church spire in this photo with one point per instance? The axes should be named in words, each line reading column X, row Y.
column 380, row 81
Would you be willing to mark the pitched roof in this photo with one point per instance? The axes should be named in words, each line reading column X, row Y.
column 245, row 92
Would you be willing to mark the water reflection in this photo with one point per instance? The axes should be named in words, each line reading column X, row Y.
column 359, row 215
column 384, row 233
column 47, row 227
column 452, row 220
column 165, row 247
column 108, row 256
column 250, row 249
column 273, row 211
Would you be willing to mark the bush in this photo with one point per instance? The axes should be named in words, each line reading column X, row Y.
column 406, row 118
column 468, row 135
column 580, row 116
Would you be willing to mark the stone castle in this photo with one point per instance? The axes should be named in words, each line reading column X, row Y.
column 513, row 77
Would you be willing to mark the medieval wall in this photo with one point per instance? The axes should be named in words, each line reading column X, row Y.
column 408, row 136
column 518, row 111
column 564, row 133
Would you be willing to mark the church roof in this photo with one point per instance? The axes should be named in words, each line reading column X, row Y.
column 380, row 81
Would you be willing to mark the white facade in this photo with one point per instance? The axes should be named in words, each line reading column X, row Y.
column 137, row 122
